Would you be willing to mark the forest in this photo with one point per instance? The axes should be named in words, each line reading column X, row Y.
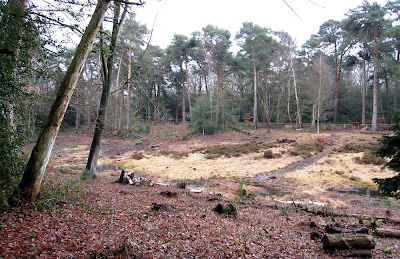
column 252, row 119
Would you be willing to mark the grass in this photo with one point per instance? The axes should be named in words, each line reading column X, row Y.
column 307, row 150
column 268, row 154
column 174, row 154
column 234, row 150
column 126, row 165
column 137, row 156
column 352, row 148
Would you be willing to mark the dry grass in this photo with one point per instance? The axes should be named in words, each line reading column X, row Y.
column 237, row 157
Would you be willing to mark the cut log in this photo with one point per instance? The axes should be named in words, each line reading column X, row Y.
column 336, row 229
column 341, row 242
column 381, row 232
column 126, row 177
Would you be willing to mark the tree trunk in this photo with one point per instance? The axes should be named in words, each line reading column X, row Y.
column 387, row 96
column 219, row 98
column 255, row 107
column 188, row 84
column 265, row 96
column 183, row 98
column 128, row 98
column 35, row 169
column 364, row 89
column 396, row 85
column 118, row 111
column 95, row 147
column 342, row 242
column 375, row 93
column 298, row 116
column 14, row 27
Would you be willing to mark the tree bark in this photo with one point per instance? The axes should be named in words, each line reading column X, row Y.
column 35, row 169
column 128, row 98
column 118, row 110
column 364, row 88
column 396, row 85
column 342, row 242
column 255, row 107
column 107, row 71
column 183, row 100
column 265, row 96
column 375, row 92
column 188, row 84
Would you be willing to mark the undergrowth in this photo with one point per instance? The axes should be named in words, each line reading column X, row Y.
column 307, row 150
column 58, row 191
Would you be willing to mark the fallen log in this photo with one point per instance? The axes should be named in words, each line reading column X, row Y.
column 336, row 229
column 381, row 232
column 341, row 242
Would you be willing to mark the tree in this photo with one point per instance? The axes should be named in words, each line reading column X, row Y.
column 35, row 169
column 255, row 43
column 179, row 52
column 18, row 42
column 390, row 148
column 108, row 67
column 217, row 42
column 366, row 23
column 332, row 37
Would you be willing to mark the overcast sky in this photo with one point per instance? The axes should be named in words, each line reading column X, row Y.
column 186, row 16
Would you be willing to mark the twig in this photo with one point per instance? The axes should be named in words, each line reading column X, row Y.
column 292, row 9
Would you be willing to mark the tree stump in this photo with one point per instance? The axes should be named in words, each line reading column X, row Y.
column 341, row 242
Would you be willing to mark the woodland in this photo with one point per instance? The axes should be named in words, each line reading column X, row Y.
column 219, row 145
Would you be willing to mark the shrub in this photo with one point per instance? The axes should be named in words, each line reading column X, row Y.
column 242, row 191
column 390, row 148
column 204, row 119
column 370, row 158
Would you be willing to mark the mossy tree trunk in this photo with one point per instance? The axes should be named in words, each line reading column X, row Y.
column 35, row 169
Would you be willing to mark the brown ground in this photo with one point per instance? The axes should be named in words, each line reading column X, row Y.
column 101, row 218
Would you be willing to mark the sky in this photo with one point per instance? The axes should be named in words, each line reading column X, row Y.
column 186, row 16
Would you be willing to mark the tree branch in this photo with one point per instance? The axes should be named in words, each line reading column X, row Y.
column 140, row 3
column 292, row 9
column 6, row 52
column 72, row 27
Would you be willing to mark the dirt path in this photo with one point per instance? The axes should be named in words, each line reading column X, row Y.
column 334, row 139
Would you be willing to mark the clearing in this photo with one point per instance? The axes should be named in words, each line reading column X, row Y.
column 283, row 217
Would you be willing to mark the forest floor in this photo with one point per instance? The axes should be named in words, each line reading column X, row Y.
column 296, row 190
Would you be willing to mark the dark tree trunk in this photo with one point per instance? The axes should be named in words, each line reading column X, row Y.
column 35, row 169
column 107, row 71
